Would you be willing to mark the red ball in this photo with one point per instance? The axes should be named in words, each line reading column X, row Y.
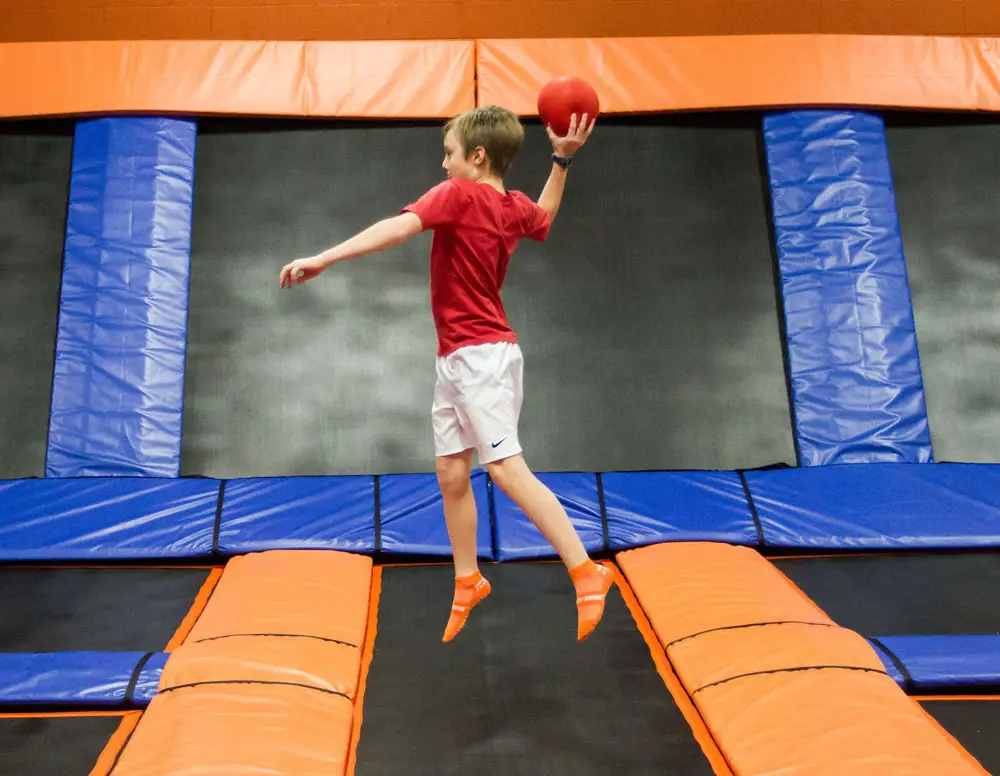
column 560, row 98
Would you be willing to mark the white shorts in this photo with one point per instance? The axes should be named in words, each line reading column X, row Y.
column 477, row 401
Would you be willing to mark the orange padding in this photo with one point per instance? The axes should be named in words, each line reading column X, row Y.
column 240, row 728
column 268, row 677
column 397, row 79
column 317, row 593
column 782, row 687
column 756, row 71
column 435, row 79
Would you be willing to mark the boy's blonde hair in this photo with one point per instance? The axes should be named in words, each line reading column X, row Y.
column 496, row 129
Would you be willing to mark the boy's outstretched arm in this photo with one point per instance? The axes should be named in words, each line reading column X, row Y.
column 552, row 194
column 385, row 234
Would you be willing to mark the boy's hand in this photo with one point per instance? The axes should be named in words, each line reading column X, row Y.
column 299, row 271
column 575, row 138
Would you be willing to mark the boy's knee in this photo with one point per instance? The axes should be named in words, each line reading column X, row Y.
column 453, row 477
column 506, row 473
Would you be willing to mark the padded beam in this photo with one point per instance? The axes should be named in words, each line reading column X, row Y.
column 883, row 506
column 240, row 728
column 411, row 515
column 935, row 663
column 106, row 518
column 68, row 679
column 270, row 513
column 651, row 507
column 118, row 387
column 317, row 594
column 516, row 536
column 779, row 685
column 857, row 389
column 268, row 677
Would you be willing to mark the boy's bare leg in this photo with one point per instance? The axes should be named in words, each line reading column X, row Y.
column 454, row 478
column 540, row 504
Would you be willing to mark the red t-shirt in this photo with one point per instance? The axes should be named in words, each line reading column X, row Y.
column 476, row 229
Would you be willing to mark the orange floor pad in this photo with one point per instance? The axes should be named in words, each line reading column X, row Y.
column 267, row 679
column 782, row 688
column 297, row 593
column 240, row 728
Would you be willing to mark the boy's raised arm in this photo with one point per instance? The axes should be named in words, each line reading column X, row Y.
column 564, row 147
column 387, row 233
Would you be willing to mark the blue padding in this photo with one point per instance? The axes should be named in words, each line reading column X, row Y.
column 79, row 678
column 517, row 537
column 413, row 515
column 888, row 506
column 269, row 513
column 108, row 517
column 148, row 683
column 118, row 387
column 891, row 667
column 649, row 507
column 857, row 390
column 942, row 662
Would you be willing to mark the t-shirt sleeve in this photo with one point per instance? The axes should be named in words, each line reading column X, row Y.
column 536, row 221
column 440, row 207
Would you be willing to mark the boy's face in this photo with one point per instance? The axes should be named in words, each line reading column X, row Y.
column 456, row 164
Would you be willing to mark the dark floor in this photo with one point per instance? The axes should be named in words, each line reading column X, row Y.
column 976, row 726
column 107, row 609
column 891, row 595
column 65, row 746
column 515, row 693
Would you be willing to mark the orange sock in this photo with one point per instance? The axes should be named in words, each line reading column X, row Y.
column 469, row 591
column 592, row 582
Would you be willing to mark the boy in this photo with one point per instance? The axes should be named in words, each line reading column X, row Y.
column 477, row 224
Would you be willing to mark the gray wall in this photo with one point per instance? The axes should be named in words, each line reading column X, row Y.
column 648, row 319
column 947, row 177
column 35, row 163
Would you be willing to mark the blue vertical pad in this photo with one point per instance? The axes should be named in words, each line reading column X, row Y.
column 857, row 390
column 516, row 536
column 68, row 679
column 879, row 506
column 953, row 662
column 272, row 513
column 104, row 518
column 648, row 507
column 117, row 389
column 412, row 515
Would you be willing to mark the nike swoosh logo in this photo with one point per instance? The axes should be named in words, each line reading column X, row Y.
column 497, row 444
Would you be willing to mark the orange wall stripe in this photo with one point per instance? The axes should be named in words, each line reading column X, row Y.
column 666, row 672
column 115, row 744
column 359, row 79
column 636, row 75
column 409, row 19
column 200, row 602
column 366, row 661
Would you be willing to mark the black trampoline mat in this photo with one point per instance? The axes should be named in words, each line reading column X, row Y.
column 893, row 595
column 975, row 725
column 514, row 693
column 106, row 609
column 53, row 746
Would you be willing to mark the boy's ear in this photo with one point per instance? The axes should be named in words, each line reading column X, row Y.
column 479, row 155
